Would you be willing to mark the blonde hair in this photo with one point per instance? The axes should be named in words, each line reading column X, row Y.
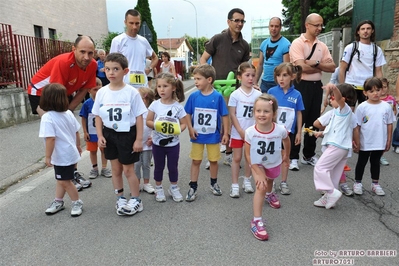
column 148, row 94
column 99, row 82
column 270, row 99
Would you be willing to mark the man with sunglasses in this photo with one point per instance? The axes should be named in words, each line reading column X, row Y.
column 364, row 62
column 314, row 58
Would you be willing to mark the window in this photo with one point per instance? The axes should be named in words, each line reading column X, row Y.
column 38, row 31
column 52, row 33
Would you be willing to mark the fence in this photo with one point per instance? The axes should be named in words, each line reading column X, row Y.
column 22, row 56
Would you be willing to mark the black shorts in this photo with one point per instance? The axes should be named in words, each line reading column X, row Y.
column 34, row 103
column 120, row 145
column 64, row 172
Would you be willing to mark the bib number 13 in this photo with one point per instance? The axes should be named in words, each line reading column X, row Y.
column 115, row 114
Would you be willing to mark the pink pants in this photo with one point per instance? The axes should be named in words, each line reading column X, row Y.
column 330, row 168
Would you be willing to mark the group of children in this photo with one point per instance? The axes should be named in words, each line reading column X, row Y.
column 135, row 125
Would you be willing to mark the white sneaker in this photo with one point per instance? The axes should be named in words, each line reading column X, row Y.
column 160, row 195
column 333, row 198
column 312, row 160
column 222, row 148
column 294, row 165
column 133, row 206
column 321, row 202
column 396, row 149
column 175, row 193
column 376, row 188
column 358, row 188
column 228, row 160
column 77, row 208
column 148, row 188
column 247, row 185
column 383, row 161
column 235, row 192
column 55, row 207
column 207, row 165
column 120, row 203
column 93, row 173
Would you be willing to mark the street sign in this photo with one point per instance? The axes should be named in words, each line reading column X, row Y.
column 145, row 32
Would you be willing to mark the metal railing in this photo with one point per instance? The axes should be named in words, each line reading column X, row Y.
column 327, row 39
column 22, row 56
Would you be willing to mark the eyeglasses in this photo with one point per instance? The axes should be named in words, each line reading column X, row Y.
column 317, row 25
column 238, row 20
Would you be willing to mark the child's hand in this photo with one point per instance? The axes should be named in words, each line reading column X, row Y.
column 298, row 138
column 149, row 142
column 318, row 134
column 86, row 136
column 137, row 146
column 242, row 133
column 102, row 143
column 225, row 139
column 48, row 162
column 79, row 149
column 193, row 134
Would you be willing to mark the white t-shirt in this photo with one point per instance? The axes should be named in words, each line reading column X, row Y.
column 118, row 109
column 147, row 133
column 266, row 146
column 361, row 70
column 166, row 123
column 339, row 128
column 244, row 104
column 373, row 120
column 63, row 126
column 136, row 50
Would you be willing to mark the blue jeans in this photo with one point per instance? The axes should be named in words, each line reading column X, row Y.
column 266, row 85
column 395, row 137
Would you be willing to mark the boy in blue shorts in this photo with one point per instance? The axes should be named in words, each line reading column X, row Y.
column 90, row 134
column 206, row 110
column 119, row 122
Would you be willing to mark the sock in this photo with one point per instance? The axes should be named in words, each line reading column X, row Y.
column 136, row 198
column 173, row 186
column 118, row 197
column 257, row 218
column 193, row 185
column 374, row 182
column 94, row 166
column 228, row 153
column 159, row 187
column 235, row 185
column 283, row 182
column 213, row 181
column 59, row 199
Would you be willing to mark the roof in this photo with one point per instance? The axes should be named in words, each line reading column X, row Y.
column 173, row 43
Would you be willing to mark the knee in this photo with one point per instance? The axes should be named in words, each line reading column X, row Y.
column 196, row 162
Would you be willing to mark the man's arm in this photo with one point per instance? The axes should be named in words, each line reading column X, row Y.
column 378, row 72
column 342, row 71
column 204, row 58
column 286, row 58
column 154, row 60
column 77, row 99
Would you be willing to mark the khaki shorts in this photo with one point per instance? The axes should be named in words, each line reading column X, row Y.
column 197, row 152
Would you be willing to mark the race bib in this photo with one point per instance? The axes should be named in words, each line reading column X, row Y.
column 116, row 116
column 168, row 126
column 205, row 120
column 265, row 152
column 91, row 124
column 285, row 116
column 137, row 78
column 244, row 111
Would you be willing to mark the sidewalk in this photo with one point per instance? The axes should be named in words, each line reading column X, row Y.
column 22, row 151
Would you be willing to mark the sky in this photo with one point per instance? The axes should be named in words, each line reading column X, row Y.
column 211, row 15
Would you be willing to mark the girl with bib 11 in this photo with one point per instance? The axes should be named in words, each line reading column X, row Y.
column 241, row 114
column 168, row 119
column 263, row 153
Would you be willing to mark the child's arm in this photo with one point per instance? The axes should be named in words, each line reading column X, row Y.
column 318, row 125
column 138, row 143
column 150, row 119
column 99, row 128
column 325, row 101
column 78, row 142
column 234, row 121
column 337, row 95
column 389, row 139
column 287, row 150
column 84, row 127
column 356, row 139
column 50, row 143
column 183, row 123
column 299, row 124
column 225, row 121
column 257, row 173
column 191, row 131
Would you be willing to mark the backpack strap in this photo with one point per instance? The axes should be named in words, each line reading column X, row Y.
column 375, row 51
column 311, row 53
column 354, row 50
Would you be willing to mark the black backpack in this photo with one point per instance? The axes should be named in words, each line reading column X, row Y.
column 355, row 50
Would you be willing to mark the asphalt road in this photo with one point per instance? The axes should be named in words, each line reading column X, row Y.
column 209, row 231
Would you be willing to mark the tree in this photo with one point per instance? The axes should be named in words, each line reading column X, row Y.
column 193, row 43
column 294, row 21
column 144, row 8
column 106, row 40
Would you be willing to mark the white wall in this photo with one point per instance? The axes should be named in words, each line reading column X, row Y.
column 67, row 17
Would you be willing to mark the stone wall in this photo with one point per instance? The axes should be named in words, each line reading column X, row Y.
column 391, row 51
column 14, row 107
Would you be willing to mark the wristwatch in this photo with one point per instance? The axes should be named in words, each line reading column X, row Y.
column 317, row 63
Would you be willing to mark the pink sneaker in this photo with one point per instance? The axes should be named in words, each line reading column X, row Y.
column 258, row 230
column 273, row 201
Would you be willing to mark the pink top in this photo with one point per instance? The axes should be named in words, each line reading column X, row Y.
column 391, row 100
column 301, row 49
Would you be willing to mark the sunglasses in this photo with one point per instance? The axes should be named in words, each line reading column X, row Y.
column 238, row 20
